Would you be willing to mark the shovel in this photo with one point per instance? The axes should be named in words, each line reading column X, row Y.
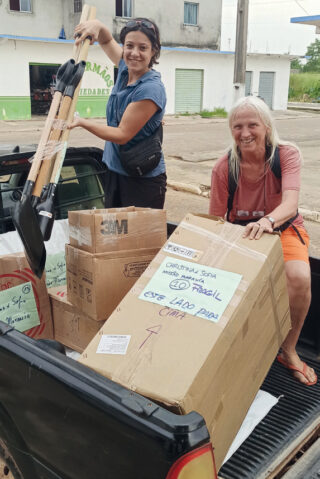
column 46, row 165
column 24, row 216
column 46, row 207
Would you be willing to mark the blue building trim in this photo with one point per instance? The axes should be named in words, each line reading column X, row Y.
column 59, row 40
column 310, row 18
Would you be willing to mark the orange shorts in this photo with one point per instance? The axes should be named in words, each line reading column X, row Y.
column 292, row 247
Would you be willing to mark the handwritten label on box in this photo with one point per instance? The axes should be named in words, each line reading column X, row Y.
column 18, row 307
column 56, row 270
column 192, row 288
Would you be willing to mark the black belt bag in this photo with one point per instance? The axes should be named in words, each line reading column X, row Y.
column 144, row 156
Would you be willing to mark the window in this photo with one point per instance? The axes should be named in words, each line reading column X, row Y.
column 77, row 6
column 20, row 5
column 191, row 13
column 124, row 8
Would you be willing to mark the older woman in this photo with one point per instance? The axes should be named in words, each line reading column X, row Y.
column 134, row 112
column 265, row 174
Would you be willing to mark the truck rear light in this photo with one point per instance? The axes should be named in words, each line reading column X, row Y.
column 197, row 464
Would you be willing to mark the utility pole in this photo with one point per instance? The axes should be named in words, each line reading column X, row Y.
column 239, row 77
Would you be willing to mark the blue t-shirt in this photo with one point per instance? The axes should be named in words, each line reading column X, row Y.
column 148, row 87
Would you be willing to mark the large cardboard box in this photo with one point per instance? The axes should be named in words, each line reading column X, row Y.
column 71, row 327
column 116, row 229
column 96, row 283
column 24, row 298
column 183, row 349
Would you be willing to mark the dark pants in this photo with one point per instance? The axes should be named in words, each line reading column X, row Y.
column 123, row 190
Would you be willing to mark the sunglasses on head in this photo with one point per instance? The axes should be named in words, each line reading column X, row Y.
column 142, row 23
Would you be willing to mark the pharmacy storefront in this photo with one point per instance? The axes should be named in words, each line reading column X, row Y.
column 28, row 75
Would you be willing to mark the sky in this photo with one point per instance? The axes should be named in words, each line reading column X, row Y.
column 269, row 28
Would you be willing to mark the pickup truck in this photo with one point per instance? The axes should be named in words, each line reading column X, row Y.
column 61, row 420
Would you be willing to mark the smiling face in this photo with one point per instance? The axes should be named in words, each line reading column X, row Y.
column 248, row 131
column 137, row 52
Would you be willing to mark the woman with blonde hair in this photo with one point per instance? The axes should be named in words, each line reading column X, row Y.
column 257, row 185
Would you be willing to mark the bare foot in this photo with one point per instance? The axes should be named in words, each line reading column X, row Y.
column 292, row 361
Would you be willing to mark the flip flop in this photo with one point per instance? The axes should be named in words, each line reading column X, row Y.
column 302, row 371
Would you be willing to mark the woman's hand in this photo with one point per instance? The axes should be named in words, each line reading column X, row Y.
column 77, row 121
column 91, row 29
column 256, row 229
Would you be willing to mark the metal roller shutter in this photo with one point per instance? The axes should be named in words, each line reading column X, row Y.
column 188, row 92
column 266, row 82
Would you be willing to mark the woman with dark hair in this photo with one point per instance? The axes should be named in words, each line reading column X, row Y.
column 265, row 201
column 134, row 111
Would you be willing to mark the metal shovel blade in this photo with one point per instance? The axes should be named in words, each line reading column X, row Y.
column 25, row 220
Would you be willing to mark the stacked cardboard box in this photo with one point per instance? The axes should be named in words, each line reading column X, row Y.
column 71, row 327
column 108, row 251
column 24, row 299
column 201, row 327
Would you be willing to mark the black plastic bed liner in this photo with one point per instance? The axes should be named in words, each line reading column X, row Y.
column 298, row 408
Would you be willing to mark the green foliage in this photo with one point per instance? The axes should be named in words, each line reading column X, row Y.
column 295, row 64
column 217, row 112
column 304, row 87
column 313, row 51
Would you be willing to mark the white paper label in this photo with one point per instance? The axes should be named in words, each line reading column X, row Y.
column 113, row 344
column 181, row 250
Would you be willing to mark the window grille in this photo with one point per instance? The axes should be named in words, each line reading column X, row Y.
column 191, row 13
column 20, row 5
column 77, row 6
column 124, row 8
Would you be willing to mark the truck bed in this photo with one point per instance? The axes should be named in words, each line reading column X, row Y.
column 292, row 426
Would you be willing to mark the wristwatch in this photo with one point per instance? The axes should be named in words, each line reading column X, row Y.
column 272, row 220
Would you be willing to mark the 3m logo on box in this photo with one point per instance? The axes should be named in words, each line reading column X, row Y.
column 113, row 227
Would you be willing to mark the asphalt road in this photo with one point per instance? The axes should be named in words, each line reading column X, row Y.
column 192, row 145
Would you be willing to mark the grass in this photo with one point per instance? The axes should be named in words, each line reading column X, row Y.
column 217, row 112
column 304, row 87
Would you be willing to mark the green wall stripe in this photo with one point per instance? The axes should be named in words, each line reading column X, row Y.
column 15, row 108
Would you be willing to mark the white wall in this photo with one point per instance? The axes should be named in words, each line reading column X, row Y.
column 48, row 16
column 218, row 71
column 218, row 76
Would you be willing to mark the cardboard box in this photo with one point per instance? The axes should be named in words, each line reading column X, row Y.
column 71, row 327
column 29, row 303
column 116, row 229
column 97, row 283
column 212, row 361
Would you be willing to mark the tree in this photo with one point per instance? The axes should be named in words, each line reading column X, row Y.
column 313, row 52
column 295, row 64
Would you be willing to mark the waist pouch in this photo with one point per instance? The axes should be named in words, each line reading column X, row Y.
column 144, row 156
column 281, row 228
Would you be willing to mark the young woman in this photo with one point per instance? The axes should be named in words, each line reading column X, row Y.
column 134, row 111
column 263, row 202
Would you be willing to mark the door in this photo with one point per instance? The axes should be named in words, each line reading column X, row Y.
column 188, row 91
column 248, row 86
column 266, row 84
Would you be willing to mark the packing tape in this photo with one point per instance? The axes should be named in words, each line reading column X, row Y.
column 229, row 237
column 81, row 234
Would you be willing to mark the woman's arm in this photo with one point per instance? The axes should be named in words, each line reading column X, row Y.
column 133, row 120
column 99, row 33
column 282, row 213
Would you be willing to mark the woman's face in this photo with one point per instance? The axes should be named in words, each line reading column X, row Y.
column 137, row 52
column 249, row 132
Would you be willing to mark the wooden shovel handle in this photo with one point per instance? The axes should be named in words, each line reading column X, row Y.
column 41, row 170
column 65, row 134
column 52, row 147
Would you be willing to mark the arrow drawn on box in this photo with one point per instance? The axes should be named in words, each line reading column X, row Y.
column 152, row 330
